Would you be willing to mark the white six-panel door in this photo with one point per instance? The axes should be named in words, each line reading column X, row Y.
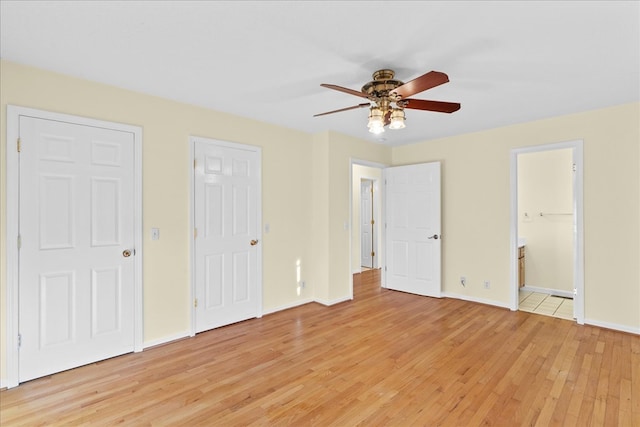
column 413, row 240
column 226, row 208
column 76, row 288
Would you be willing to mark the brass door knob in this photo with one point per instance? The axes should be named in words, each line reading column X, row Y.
column 254, row 242
column 126, row 253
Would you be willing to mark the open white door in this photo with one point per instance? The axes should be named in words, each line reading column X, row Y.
column 413, row 241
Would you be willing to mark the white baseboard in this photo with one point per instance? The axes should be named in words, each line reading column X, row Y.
column 474, row 299
column 165, row 340
column 287, row 306
column 329, row 303
column 549, row 291
column 614, row 326
column 3, row 383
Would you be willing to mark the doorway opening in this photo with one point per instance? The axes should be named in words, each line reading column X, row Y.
column 546, row 224
column 366, row 219
column 410, row 227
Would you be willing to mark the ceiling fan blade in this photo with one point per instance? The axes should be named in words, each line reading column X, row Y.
column 422, row 83
column 366, row 104
column 345, row 90
column 439, row 106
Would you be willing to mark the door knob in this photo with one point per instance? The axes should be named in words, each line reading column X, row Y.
column 435, row 236
column 254, row 242
column 126, row 253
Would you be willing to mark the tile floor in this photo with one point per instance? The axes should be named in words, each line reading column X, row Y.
column 535, row 302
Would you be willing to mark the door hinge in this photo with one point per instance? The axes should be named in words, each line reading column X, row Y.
column 195, row 303
column 18, row 145
column 19, row 241
column 194, row 163
column 195, row 232
column 373, row 253
column 575, row 167
column 373, row 222
column 19, row 340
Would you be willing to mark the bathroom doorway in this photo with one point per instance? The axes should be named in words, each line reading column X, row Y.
column 547, row 230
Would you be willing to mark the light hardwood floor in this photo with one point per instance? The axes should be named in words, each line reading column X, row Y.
column 386, row 358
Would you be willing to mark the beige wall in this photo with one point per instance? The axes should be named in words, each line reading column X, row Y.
column 545, row 184
column 476, row 200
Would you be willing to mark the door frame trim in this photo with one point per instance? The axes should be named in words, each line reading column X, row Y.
column 578, row 215
column 13, row 217
column 355, row 161
column 192, row 212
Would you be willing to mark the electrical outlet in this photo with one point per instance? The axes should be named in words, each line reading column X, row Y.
column 487, row 284
column 303, row 284
column 463, row 281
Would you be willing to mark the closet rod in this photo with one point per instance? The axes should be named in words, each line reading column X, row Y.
column 552, row 213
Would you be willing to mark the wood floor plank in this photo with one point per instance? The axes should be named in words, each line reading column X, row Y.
column 385, row 358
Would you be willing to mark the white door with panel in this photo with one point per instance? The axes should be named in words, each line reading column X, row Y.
column 413, row 240
column 227, row 245
column 367, row 235
column 77, row 225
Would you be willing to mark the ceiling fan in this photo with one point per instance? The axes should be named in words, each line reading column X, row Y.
column 389, row 97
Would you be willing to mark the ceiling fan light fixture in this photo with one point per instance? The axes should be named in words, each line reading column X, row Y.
column 397, row 119
column 376, row 120
column 376, row 129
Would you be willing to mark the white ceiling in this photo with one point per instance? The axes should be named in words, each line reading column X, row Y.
column 508, row 62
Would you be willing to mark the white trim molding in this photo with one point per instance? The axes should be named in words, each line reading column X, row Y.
column 329, row 303
column 613, row 326
column 166, row 340
column 474, row 299
column 288, row 306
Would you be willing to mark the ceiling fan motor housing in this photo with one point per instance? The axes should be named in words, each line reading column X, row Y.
column 381, row 86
